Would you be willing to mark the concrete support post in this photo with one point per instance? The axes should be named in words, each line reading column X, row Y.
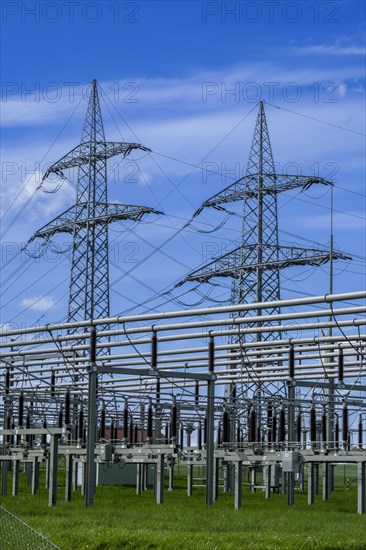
column 15, row 490
column 68, row 480
column 361, row 482
column 53, row 463
column 210, row 434
column 35, row 475
column 238, row 478
column 91, row 472
column 160, row 479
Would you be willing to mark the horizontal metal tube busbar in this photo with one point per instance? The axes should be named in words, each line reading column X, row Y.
column 326, row 298
column 349, row 342
column 184, row 336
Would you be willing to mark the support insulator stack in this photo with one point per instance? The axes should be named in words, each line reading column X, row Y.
column 7, row 380
column 102, row 423
column 125, row 421
column 44, row 436
column 21, row 410
column 340, row 366
column 345, row 423
column 199, row 436
column 324, row 426
column 81, row 425
column 281, row 426
column 312, row 424
column 67, row 408
column 360, row 430
column 252, row 423
column 60, row 417
column 173, row 421
column 149, row 432
column 225, row 427
column 53, row 383
column 291, row 362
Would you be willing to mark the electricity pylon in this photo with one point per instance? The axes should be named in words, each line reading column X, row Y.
column 88, row 219
column 254, row 265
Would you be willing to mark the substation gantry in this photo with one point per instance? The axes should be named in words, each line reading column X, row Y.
column 143, row 389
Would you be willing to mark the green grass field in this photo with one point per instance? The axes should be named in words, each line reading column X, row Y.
column 122, row 519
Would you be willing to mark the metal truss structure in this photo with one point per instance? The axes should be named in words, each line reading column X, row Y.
column 256, row 262
column 51, row 407
column 87, row 221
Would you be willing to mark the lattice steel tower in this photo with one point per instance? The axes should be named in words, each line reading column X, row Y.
column 254, row 265
column 88, row 219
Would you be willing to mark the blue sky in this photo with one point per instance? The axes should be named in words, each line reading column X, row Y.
column 186, row 77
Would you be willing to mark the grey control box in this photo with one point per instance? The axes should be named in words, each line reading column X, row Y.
column 290, row 461
column 106, row 452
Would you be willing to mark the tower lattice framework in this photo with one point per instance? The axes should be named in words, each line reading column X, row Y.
column 254, row 265
column 87, row 221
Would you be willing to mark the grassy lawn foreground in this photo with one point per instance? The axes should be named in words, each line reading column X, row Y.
column 122, row 519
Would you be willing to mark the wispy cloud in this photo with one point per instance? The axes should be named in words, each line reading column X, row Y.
column 323, row 49
column 39, row 303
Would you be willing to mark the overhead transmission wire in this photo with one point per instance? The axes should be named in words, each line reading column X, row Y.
column 11, row 223
column 316, row 119
column 175, row 187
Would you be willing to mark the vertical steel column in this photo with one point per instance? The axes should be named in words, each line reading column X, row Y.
column 316, row 478
column 75, row 472
column 53, row 463
column 311, row 482
column 47, row 479
column 171, row 475
column 139, row 478
column 291, row 435
column 253, row 480
column 15, row 478
column 238, row 477
column 28, row 469
column 210, row 434
column 68, row 481
column 35, row 475
column 290, row 489
column 4, row 477
column 361, row 482
column 190, row 480
column 325, row 481
column 216, row 478
column 160, row 479
column 268, row 472
column 92, row 423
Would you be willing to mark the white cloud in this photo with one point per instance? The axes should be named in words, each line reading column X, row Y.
column 39, row 303
column 322, row 49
